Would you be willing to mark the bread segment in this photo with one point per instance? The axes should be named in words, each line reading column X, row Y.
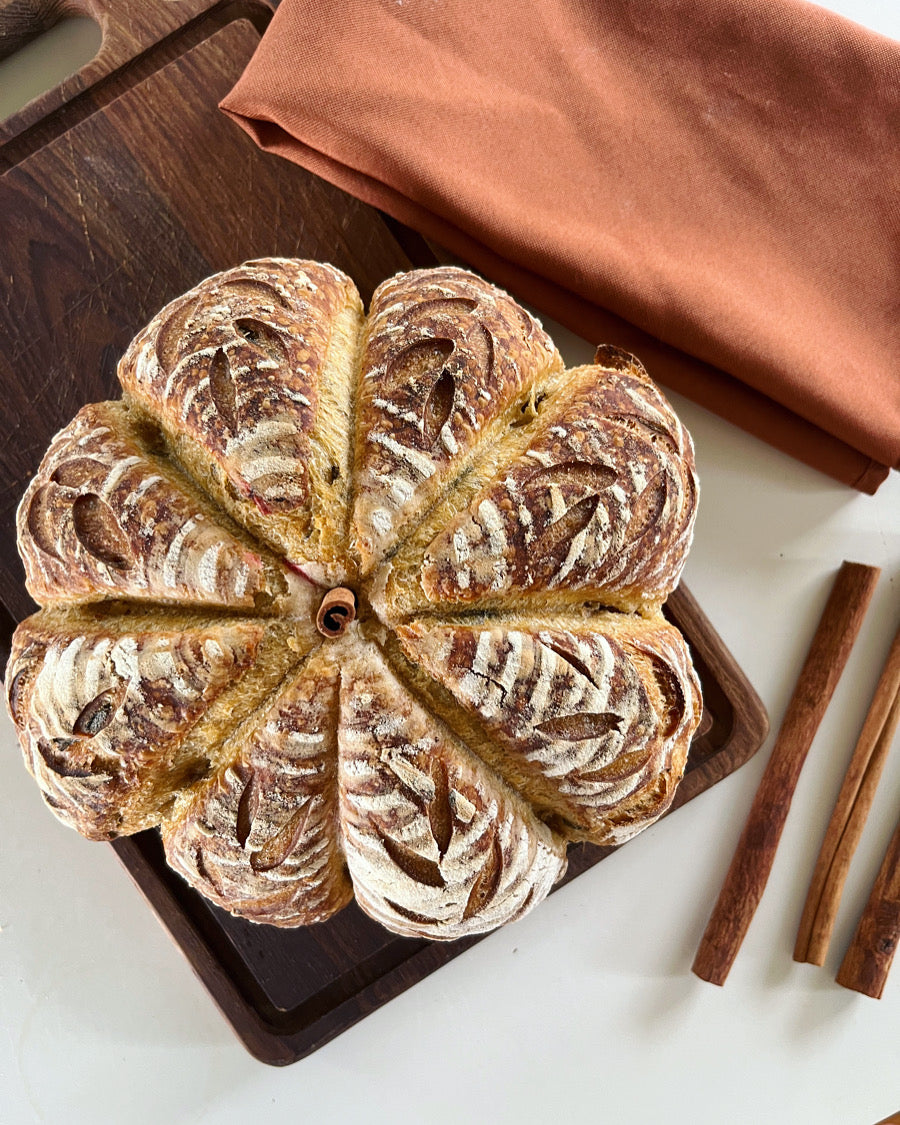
column 103, row 714
column 104, row 518
column 259, row 838
column 448, row 360
column 599, row 507
column 251, row 375
column 591, row 719
column 437, row 844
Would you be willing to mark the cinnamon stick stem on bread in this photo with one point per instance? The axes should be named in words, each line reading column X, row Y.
column 850, row 812
column 746, row 879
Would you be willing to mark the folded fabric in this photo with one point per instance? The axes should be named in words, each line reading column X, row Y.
column 711, row 184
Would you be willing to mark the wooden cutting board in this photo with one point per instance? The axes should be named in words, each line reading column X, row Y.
column 119, row 199
column 118, row 191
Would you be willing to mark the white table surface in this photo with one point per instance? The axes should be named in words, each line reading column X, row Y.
column 586, row 1009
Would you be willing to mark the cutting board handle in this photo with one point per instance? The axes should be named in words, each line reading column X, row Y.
column 128, row 29
column 24, row 20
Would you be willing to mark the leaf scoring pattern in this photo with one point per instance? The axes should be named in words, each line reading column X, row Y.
column 440, row 814
column 98, row 713
column 438, row 407
column 625, row 765
column 481, row 343
column 556, row 541
column 574, row 474
column 441, row 306
column 276, row 850
column 410, row 915
column 99, row 532
column 648, row 509
column 263, row 336
column 41, row 521
column 14, row 694
column 580, row 726
column 252, row 290
column 169, row 338
column 672, row 694
column 417, row 364
column 221, row 387
column 78, row 471
column 487, row 881
column 248, row 806
column 570, row 658
column 417, row 867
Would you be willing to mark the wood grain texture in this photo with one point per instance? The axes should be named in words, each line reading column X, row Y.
column 127, row 187
column 130, row 28
column 850, row 812
column 23, row 20
column 755, row 853
column 868, row 960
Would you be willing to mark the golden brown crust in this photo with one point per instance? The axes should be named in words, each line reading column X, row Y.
column 601, row 505
column 437, row 844
column 102, row 713
column 259, row 837
column 104, row 518
column 446, row 358
column 586, row 713
column 233, row 372
column 435, row 461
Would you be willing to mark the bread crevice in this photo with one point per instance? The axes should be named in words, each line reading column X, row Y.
column 222, row 744
column 331, row 464
column 138, row 420
column 497, row 446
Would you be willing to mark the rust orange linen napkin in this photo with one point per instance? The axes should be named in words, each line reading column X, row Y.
column 712, row 184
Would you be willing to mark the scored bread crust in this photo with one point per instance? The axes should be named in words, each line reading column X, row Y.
column 103, row 714
column 601, row 503
column 586, row 715
column 508, row 532
column 445, row 360
column 259, row 835
column 250, row 377
column 104, row 514
column 437, row 844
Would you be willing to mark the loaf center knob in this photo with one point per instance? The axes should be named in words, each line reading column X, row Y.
column 337, row 610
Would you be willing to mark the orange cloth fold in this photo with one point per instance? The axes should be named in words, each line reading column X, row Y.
column 712, row 185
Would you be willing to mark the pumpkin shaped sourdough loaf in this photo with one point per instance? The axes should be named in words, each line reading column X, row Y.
column 357, row 605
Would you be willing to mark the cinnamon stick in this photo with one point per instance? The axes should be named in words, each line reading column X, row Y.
column 749, row 872
column 849, row 815
column 868, row 960
column 337, row 610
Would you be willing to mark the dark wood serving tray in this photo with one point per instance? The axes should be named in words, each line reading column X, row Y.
column 118, row 191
